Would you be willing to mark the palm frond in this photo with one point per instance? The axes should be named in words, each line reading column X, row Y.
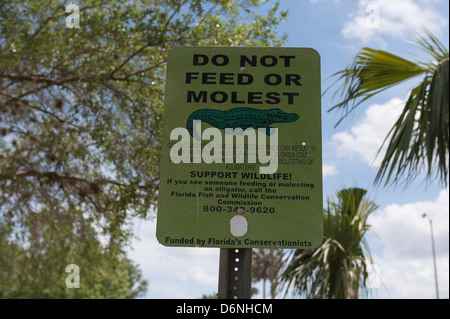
column 369, row 73
column 431, row 45
column 420, row 137
column 337, row 268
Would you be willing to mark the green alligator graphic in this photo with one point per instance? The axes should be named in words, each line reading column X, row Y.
column 241, row 117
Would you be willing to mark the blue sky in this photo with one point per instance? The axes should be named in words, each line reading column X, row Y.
column 400, row 238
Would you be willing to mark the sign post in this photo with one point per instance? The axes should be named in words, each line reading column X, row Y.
column 241, row 155
column 235, row 273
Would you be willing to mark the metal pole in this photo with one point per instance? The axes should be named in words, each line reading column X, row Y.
column 434, row 256
column 235, row 273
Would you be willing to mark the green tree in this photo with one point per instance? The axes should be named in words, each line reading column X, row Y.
column 34, row 265
column 80, row 129
column 266, row 266
column 338, row 269
column 420, row 137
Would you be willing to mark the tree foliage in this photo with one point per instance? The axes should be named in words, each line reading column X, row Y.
column 80, row 127
column 338, row 269
column 267, row 265
column 419, row 140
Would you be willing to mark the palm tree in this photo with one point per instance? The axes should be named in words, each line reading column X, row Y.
column 266, row 265
column 420, row 137
column 338, row 269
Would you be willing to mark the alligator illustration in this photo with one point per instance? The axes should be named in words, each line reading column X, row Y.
column 242, row 117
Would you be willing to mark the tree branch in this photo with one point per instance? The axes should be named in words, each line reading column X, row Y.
column 177, row 9
column 64, row 177
column 140, row 71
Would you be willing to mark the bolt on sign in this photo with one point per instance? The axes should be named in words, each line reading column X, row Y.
column 241, row 160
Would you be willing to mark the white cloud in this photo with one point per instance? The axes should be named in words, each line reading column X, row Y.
column 365, row 139
column 411, row 278
column 329, row 170
column 201, row 275
column 316, row 1
column 174, row 272
column 407, row 233
column 405, row 264
column 397, row 19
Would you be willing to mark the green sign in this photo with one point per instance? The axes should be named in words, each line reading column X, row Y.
column 241, row 162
